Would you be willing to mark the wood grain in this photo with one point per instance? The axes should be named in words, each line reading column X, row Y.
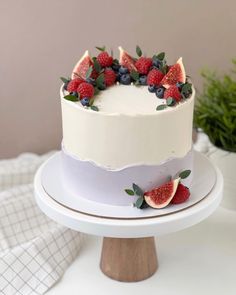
column 129, row 260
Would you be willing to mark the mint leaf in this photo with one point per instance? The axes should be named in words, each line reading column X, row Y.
column 71, row 97
column 129, row 192
column 137, row 190
column 134, row 75
column 161, row 56
column 100, row 80
column 64, row 80
column 96, row 91
column 138, row 51
column 97, row 66
column 184, row 174
column 89, row 72
column 101, row 48
column 170, row 101
column 94, row 108
column 161, row 107
column 139, row 202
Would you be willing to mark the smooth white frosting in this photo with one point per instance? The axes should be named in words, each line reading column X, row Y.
column 127, row 130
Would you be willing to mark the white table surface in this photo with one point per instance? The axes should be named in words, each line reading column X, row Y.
column 196, row 261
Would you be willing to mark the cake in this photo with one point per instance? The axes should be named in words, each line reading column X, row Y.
column 127, row 130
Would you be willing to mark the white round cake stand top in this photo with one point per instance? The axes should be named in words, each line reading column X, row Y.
column 123, row 228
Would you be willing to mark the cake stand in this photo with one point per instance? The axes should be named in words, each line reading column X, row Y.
column 128, row 251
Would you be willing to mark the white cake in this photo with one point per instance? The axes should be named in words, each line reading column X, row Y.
column 127, row 141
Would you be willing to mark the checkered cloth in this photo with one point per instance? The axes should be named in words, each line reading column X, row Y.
column 34, row 250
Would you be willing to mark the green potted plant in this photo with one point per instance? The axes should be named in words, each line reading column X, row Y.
column 215, row 114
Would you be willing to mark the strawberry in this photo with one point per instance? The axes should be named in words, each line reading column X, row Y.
column 104, row 59
column 85, row 90
column 154, row 77
column 182, row 194
column 173, row 91
column 73, row 84
column 109, row 76
column 143, row 65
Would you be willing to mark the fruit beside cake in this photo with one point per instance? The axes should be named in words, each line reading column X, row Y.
column 125, row 121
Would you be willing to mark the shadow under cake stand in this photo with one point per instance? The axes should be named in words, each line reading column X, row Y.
column 128, row 251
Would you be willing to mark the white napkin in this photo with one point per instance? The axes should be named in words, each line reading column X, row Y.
column 34, row 250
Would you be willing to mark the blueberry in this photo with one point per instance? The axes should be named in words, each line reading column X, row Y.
column 123, row 70
column 152, row 88
column 91, row 81
column 125, row 79
column 74, row 93
column 160, row 92
column 85, row 101
column 180, row 85
column 116, row 67
column 157, row 63
column 142, row 80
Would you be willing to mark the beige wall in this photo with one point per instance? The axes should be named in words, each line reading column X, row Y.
column 41, row 40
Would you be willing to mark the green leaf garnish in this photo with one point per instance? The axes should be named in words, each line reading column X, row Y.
column 161, row 56
column 100, row 80
column 138, row 51
column 130, row 192
column 134, row 75
column 89, row 72
column 139, row 202
column 170, row 101
column 184, row 174
column 97, row 66
column 161, row 107
column 101, row 48
column 115, row 61
column 71, row 97
column 96, row 91
column 137, row 190
column 94, row 108
column 186, row 90
column 64, row 80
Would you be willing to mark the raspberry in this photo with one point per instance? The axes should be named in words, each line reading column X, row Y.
column 110, row 77
column 85, row 90
column 173, row 91
column 182, row 194
column 104, row 59
column 154, row 77
column 73, row 84
column 143, row 65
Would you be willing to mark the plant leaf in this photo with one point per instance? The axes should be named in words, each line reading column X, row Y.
column 89, row 72
column 139, row 202
column 97, row 66
column 71, row 97
column 161, row 107
column 170, row 101
column 96, row 91
column 138, row 51
column 101, row 48
column 137, row 190
column 184, row 174
column 94, row 108
column 160, row 56
column 129, row 192
column 64, row 80
column 134, row 75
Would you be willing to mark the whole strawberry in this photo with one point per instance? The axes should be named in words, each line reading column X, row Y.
column 85, row 90
column 143, row 65
column 154, row 77
column 104, row 59
column 73, row 84
column 182, row 194
column 173, row 91
column 109, row 77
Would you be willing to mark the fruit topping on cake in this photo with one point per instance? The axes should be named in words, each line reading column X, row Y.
column 161, row 196
column 175, row 74
column 172, row 192
column 182, row 194
column 91, row 75
column 126, row 60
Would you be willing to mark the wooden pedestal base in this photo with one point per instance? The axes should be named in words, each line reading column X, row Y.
column 129, row 260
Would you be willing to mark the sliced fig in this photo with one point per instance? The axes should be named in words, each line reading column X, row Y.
column 126, row 60
column 161, row 196
column 82, row 66
column 175, row 74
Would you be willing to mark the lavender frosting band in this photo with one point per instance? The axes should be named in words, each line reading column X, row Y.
column 84, row 179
